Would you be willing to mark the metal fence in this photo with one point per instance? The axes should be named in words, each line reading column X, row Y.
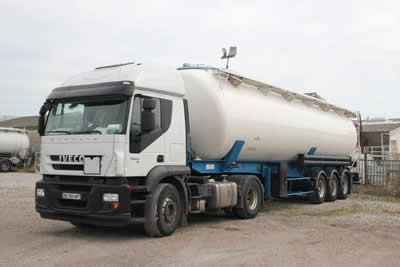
column 378, row 172
column 378, row 152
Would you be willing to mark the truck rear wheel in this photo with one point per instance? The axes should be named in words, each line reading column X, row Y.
column 251, row 199
column 320, row 188
column 333, row 186
column 81, row 225
column 344, row 186
column 5, row 165
column 163, row 212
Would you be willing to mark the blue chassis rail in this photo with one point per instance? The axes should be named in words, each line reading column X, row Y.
column 264, row 169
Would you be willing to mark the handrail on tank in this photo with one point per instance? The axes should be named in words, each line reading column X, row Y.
column 236, row 79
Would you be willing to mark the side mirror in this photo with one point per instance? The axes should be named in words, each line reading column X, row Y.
column 41, row 123
column 148, row 119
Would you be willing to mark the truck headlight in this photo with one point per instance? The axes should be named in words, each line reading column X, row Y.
column 39, row 192
column 110, row 197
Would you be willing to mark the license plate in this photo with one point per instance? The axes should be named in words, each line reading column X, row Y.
column 73, row 196
column 91, row 165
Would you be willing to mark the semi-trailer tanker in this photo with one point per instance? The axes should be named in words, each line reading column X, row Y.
column 136, row 143
column 14, row 148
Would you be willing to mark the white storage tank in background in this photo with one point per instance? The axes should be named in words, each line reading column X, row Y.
column 14, row 142
column 275, row 124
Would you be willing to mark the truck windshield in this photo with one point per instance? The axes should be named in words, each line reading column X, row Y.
column 88, row 117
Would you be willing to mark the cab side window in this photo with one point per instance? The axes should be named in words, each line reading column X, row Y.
column 151, row 117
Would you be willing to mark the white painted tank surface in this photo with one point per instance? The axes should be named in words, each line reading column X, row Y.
column 14, row 141
column 275, row 124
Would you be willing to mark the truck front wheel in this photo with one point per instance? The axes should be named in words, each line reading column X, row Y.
column 163, row 211
column 5, row 165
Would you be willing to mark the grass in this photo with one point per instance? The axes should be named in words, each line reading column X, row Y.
column 355, row 208
column 296, row 207
column 291, row 209
column 392, row 212
column 392, row 190
column 373, row 197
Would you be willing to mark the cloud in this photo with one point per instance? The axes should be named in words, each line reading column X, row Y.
column 347, row 51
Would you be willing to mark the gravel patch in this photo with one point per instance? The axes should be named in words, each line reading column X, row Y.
column 291, row 232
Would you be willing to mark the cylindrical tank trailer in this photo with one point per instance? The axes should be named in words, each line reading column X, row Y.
column 249, row 141
column 14, row 148
column 274, row 123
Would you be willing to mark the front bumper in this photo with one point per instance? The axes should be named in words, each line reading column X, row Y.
column 91, row 209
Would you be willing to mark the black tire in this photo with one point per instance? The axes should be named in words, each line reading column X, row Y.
column 5, row 165
column 320, row 188
column 344, row 186
column 81, row 225
column 333, row 186
column 163, row 212
column 251, row 199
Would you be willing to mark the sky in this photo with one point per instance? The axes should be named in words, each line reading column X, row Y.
column 347, row 51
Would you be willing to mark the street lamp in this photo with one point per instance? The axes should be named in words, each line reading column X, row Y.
column 232, row 53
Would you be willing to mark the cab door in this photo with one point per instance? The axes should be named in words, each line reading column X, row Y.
column 150, row 119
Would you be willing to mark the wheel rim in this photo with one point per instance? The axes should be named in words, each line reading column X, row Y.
column 168, row 211
column 252, row 198
column 345, row 185
column 321, row 188
column 3, row 166
column 334, row 186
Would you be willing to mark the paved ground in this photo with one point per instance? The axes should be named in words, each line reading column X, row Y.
column 360, row 231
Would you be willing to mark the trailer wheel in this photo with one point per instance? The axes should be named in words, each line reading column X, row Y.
column 320, row 188
column 251, row 199
column 344, row 186
column 163, row 212
column 333, row 186
column 5, row 165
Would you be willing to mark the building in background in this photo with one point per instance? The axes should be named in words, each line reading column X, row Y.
column 5, row 117
column 380, row 138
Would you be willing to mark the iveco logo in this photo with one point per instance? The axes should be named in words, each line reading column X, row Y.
column 71, row 158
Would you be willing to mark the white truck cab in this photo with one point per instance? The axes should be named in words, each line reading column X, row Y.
column 99, row 114
column 118, row 121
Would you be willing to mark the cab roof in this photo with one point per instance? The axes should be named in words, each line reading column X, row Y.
column 157, row 78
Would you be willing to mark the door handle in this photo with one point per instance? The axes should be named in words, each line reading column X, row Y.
column 160, row 158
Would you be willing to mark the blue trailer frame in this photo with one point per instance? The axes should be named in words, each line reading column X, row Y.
column 295, row 171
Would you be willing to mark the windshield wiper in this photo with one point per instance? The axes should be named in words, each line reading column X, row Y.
column 87, row 132
column 59, row 131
